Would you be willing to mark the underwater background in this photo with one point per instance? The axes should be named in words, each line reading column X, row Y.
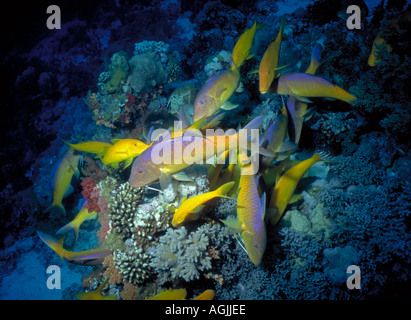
column 117, row 68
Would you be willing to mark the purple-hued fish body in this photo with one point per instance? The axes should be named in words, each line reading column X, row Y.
column 304, row 85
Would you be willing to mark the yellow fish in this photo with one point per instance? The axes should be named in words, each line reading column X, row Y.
column 123, row 150
column 81, row 216
column 250, row 218
column 378, row 43
column 303, row 86
column 242, row 48
column 206, row 295
column 214, row 94
column 190, row 208
column 269, row 62
column 62, row 174
column 284, row 189
column 170, row 294
column 96, row 147
column 93, row 257
column 96, row 295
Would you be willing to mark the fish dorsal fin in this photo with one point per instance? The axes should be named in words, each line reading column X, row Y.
column 114, row 141
column 150, row 132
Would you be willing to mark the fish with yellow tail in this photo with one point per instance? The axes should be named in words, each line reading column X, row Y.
column 284, row 189
column 190, row 208
column 250, row 217
column 215, row 93
column 123, row 150
column 81, row 216
column 96, row 295
column 169, row 156
column 62, row 174
column 269, row 62
column 242, row 48
column 93, row 257
column 96, row 147
column 303, row 86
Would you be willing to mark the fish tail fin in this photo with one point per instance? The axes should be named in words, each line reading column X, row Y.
column 280, row 33
column 70, row 226
column 225, row 188
column 57, row 207
column 346, row 96
column 55, row 245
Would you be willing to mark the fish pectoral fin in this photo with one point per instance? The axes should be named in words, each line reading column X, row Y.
column 295, row 198
column 229, row 105
column 265, row 152
column 253, row 71
column 250, row 56
column 182, row 176
column 114, row 141
column 69, row 191
column 127, row 162
column 303, row 99
column 165, row 180
column 232, row 224
column 287, row 146
column 197, row 209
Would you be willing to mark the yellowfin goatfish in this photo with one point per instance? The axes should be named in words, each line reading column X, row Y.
column 242, row 48
column 93, row 257
column 303, row 86
column 269, row 62
column 170, row 294
column 284, row 189
column 164, row 159
column 123, row 150
column 95, row 147
column 190, row 208
column 214, row 94
column 61, row 179
column 81, row 216
column 96, row 295
column 250, row 218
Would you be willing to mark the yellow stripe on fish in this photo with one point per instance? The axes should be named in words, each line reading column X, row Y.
column 190, row 208
column 284, row 189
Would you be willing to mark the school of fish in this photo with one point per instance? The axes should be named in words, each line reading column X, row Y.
column 261, row 198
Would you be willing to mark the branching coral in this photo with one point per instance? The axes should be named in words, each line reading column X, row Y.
column 180, row 254
column 122, row 207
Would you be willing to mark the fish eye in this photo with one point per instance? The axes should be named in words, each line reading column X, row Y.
column 140, row 170
column 201, row 101
column 135, row 144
